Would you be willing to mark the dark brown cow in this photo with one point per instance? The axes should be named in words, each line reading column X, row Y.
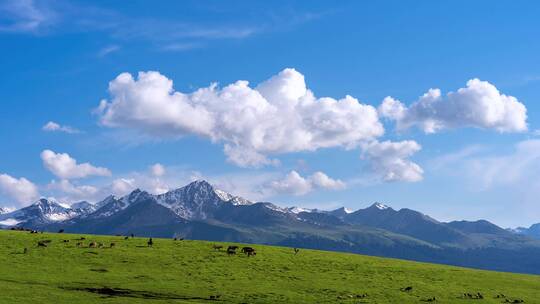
column 249, row 251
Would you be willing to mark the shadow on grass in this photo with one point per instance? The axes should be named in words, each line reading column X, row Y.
column 129, row 293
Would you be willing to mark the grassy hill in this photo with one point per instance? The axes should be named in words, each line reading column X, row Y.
column 192, row 272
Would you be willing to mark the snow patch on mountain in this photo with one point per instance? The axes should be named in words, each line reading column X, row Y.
column 381, row 206
column 4, row 210
column 297, row 210
column 235, row 200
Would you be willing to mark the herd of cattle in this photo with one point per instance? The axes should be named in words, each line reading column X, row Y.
column 231, row 250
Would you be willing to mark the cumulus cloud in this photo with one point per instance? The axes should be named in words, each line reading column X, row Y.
column 122, row 186
column 66, row 167
column 52, row 126
column 295, row 184
column 321, row 180
column 389, row 160
column 19, row 189
column 478, row 105
column 280, row 115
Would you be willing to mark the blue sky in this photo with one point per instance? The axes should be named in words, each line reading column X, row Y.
column 468, row 155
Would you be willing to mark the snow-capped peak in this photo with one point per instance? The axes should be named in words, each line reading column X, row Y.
column 197, row 200
column 50, row 204
column 381, row 206
column 347, row 210
column 43, row 210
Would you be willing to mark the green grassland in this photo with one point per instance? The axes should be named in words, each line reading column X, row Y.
column 192, row 272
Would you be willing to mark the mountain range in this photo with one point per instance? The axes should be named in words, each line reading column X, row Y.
column 200, row 211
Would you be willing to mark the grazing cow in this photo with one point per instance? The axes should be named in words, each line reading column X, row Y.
column 406, row 289
column 248, row 251
column 25, row 251
column 66, row 241
column 231, row 250
column 61, row 231
column 92, row 245
column 126, row 238
column 100, row 245
column 112, row 245
column 217, row 247
column 296, row 250
column 80, row 244
column 132, row 235
column 42, row 244
column 150, row 242
column 82, row 238
column 176, row 239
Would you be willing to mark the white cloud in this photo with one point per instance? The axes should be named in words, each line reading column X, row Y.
column 122, row 186
column 52, row 126
column 279, row 116
column 295, row 184
column 66, row 167
column 478, row 105
column 73, row 193
column 389, row 160
column 157, row 170
column 321, row 180
column 19, row 189
column 108, row 50
column 24, row 16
